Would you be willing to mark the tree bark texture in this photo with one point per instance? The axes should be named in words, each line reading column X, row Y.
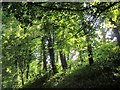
column 52, row 56
column 63, row 60
column 44, row 54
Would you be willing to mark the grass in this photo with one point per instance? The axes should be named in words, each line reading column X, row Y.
column 102, row 74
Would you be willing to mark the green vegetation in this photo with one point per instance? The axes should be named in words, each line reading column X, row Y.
column 60, row 45
column 104, row 73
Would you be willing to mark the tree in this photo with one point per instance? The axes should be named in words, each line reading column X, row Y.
column 63, row 60
column 54, row 31
column 44, row 53
column 51, row 52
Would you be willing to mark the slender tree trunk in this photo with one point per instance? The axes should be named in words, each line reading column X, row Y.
column 22, row 77
column 27, row 72
column 44, row 54
column 80, row 56
column 89, row 47
column 63, row 60
column 44, row 60
column 51, row 53
column 90, row 53
column 62, row 55
column 91, row 61
column 28, row 62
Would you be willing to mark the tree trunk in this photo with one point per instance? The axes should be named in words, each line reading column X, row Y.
column 22, row 77
column 44, row 60
column 90, row 55
column 80, row 56
column 27, row 72
column 22, row 80
column 44, row 54
column 51, row 53
column 89, row 47
column 63, row 60
column 28, row 62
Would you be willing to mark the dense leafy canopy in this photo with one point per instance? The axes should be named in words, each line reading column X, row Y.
column 48, row 41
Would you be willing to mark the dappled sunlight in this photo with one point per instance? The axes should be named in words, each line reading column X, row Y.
column 60, row 45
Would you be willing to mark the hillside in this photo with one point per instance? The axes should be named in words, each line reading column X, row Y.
column 60, row 45
column 102, row 74
column 98, row 75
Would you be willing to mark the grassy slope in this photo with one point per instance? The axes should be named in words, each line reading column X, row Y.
column 102, row 74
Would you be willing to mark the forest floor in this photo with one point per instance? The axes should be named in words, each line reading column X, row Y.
column 102, row 74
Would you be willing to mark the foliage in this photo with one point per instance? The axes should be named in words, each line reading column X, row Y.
column 38, row 38
column 102, row 74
